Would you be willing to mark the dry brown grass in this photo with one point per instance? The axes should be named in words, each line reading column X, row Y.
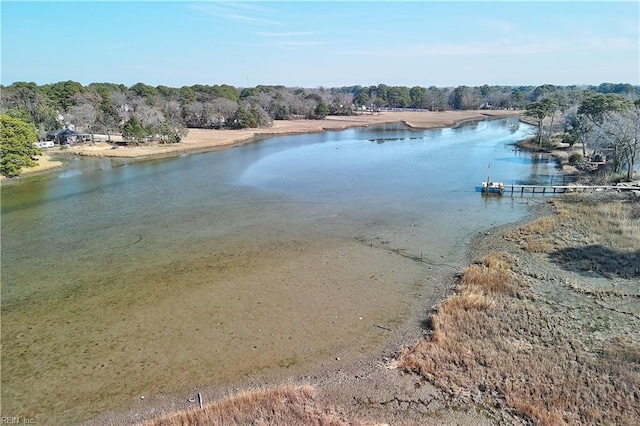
column 598, row 234
column 541, row 226
column 493, row 348
column 491, row 276
column 535, row 236
column 478, row 287
column 488, row 279
column 611, row 222
column 282, row 405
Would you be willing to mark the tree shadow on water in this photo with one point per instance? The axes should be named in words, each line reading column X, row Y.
column 598, row 260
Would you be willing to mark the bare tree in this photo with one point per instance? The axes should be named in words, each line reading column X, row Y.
column 582, row 129
column 298, row 106
column 621, row 132
column 172, row 110
column 150, row 118
column 193, row 114
column 83, row 116
column 223, row 109
column 121, row 103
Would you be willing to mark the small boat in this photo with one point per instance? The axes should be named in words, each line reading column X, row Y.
column 493, row 188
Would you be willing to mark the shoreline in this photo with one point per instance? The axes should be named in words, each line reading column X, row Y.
column 360, row 391
column 333, row 381
column 333, row 377
column 208, row 140
column 371, row 383
column 372, row 391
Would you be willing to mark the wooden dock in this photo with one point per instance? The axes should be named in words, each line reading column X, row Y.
column 560, row 189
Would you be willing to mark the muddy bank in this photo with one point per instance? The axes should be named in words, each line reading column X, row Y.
column 368, row 388
column 577, row 269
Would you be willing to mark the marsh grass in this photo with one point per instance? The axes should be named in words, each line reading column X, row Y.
column 535, row 246
column 490, row 345
column 613, row 223
column 598, row 234
column 282, row 405
column 623, row 219
column 534, row 236
column 479, row 284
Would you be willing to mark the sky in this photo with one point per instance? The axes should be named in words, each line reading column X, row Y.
column 321, row 44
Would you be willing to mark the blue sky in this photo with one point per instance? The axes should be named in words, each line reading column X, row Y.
column 327, row 43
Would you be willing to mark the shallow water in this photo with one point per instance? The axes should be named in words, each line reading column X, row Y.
column 126, row 279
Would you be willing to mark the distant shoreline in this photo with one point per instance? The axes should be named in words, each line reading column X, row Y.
column 204, row 140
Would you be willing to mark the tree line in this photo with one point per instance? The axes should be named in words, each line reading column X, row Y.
column 605, row 121
column 163, row 114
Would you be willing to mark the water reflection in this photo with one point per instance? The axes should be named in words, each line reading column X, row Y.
column 403, row 163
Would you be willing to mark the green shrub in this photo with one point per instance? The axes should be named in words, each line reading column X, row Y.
column 575, row 158
column 569, row 138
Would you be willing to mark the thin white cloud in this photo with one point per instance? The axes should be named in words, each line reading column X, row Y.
column 609, row 44
column 502, row 47
column 285, row 34
column 246, row 6
column 300, row 43
column 250, row 19
column 496, row 25
column 238, row 12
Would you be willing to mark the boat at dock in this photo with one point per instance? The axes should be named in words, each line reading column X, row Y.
column 496, row 188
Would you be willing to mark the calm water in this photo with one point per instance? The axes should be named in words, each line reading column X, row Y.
column 124, row 279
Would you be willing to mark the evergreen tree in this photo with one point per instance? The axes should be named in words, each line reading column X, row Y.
column 321, row 111
column 133, row 130
column 17, row 145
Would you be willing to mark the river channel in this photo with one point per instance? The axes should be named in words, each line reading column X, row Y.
column 128, row 279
